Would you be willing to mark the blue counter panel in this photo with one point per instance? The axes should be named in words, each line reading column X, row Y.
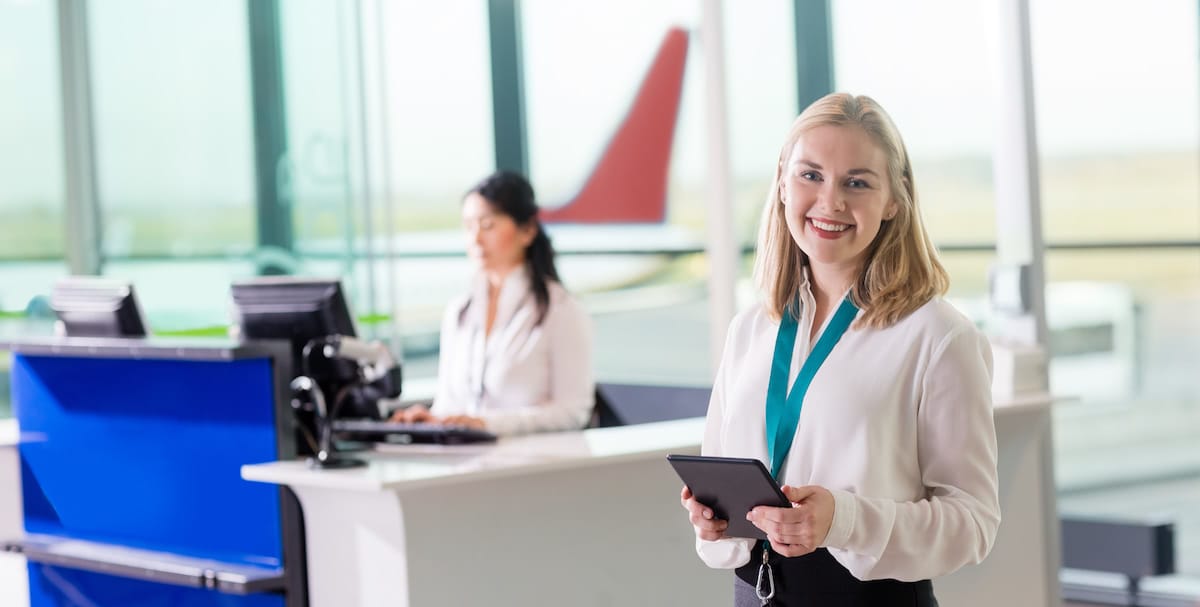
column 147, row 453
column 60, row 587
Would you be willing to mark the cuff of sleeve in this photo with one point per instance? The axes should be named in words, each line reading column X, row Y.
column 728, row 553
column 500, row 425
column 845, row 513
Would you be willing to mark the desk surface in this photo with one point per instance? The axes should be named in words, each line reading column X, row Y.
column 177, row 348
column 394, row 467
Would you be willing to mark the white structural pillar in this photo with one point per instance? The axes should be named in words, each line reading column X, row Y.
column 82, row 216
column 1015, row 166
column 721, row 245
column 1019, row 239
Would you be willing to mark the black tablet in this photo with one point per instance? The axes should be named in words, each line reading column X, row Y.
column 731, row 486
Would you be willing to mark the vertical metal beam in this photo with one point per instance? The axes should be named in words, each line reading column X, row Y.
column 508, row 85
column 721, row 246
column 388, row 196
column 364, row 146
column 79, row 140
column 1019, row 240
column 814, row 50
column 272, row 176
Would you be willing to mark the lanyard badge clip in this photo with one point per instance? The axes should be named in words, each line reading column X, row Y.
column 765, row 593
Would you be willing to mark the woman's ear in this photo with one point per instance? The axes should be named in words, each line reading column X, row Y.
column 528, row 232
column 892, row 209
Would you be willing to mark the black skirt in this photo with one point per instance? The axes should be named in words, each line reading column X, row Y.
column 818, row 579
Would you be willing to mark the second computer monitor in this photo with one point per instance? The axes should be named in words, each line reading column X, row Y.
column 89, row 306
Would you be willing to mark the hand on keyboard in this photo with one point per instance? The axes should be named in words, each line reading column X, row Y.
column 412, row 415
column 463, row 421
column 420, row 414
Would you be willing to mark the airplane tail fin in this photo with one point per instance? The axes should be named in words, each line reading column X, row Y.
column 629, row 183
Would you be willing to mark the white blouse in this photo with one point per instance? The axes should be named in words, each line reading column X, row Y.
column 524, row 377
column 897, row 424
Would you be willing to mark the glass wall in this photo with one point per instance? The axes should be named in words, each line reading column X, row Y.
column 760, row 76
column 32, row 226
column 570, row 119
column 389, row 123
column 436, row 142
column 174, row 153
column 1119, row 135
column 883, row 50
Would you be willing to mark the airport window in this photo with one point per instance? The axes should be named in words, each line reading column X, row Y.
column 438, row 130
column 194, row 196
column 936, row 83
column 760, row 78
column 383, row 142
column 580, row 83
column 1120, row 142
column 31, row 192
column 174, row 153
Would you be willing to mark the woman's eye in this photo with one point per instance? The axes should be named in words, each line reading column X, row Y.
column 810, row 176
column 858, row 183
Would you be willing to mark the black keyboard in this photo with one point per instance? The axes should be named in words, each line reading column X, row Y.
column 398, row 432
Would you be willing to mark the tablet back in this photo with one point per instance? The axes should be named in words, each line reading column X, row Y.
column 731, row 487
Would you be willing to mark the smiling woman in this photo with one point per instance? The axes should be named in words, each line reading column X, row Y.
column 846, row 168
column 893, row 481
column 836, row 208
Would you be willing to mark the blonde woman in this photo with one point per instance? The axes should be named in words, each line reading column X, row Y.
column 864, row 392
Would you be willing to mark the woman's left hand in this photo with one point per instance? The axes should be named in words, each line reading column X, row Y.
column 798, row 530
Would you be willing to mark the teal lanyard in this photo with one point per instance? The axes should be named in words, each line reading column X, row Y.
column 783, row 408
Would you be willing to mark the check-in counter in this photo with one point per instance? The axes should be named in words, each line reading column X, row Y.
column 593, row 518
column 128, row 462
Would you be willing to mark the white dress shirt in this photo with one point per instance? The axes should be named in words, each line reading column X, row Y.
column 897, row 425
column 524, row 377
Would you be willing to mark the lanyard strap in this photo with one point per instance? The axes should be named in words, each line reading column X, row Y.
column 783, row 408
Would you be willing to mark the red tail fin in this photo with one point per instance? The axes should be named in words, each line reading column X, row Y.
column 629, row 184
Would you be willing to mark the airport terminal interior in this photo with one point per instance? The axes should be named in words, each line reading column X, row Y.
column 196, row 154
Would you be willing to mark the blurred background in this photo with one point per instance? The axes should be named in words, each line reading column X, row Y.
column 217, row 140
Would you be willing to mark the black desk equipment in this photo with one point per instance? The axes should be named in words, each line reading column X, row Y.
column 88, row 306
column 339, row 375
column 401, row 432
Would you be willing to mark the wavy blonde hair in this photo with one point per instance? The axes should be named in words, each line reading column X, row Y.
column 901, row 272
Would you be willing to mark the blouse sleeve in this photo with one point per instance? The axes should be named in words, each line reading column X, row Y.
column 728, row 553
column 956, row 523
column 572, row 387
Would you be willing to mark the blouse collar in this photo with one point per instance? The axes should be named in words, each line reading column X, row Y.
column 513, row 292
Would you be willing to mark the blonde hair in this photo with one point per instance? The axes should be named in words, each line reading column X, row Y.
column 901, row 272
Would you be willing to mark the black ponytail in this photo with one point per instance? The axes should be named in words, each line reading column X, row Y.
column 511, row 194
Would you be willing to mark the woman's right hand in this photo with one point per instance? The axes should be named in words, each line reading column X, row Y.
column 702, row 518
column 412, row 415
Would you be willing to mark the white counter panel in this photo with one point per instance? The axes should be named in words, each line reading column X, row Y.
column 14, row 581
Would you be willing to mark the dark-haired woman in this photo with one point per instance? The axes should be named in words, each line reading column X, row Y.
column 516, row 351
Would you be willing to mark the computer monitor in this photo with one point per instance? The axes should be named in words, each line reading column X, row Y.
column 301, row 310
column 298, row 310
column 88, row 306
